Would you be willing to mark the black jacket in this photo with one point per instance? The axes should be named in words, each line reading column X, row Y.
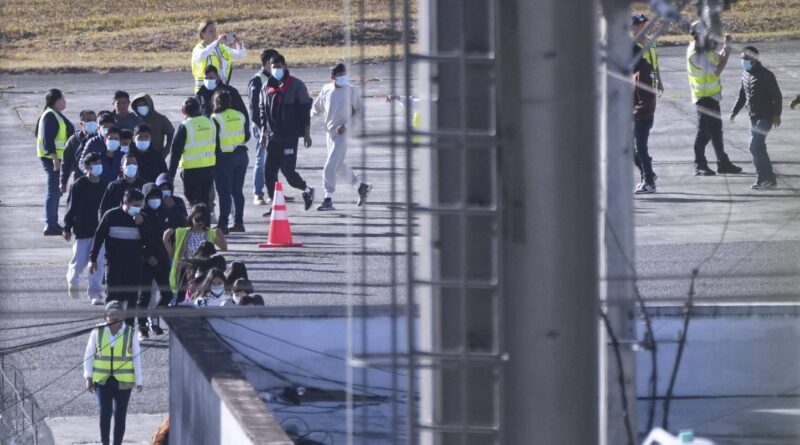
column 71, row 163
column 254, row 88
column 760, row 91
column 205, row 97
column 116, row 191
column 83, row 203
column 151, row 163
column 285, row 109
column 157, row 223
column 127, row 243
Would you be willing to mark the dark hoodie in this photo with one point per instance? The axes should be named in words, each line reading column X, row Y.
column 116, row 191
column 160, row 126
column 156, row 221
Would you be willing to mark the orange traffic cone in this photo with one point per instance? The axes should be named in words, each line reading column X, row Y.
column 280, row 234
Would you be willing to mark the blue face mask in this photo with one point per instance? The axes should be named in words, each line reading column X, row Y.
column 133, row 211
column 166, row 192
column 131, row 170
column 747, row 65
column 217, row 290
column 341, row 81
column 143, row 110
column 103, row 131
column 210, row 84
column 97, row 169
column 124, row 148
column 154, row 203
column 90, row 127
column 143, row 145
column 277, row 73
column 112, row 144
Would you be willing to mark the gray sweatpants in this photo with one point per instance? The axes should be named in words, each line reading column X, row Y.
column 335, row 165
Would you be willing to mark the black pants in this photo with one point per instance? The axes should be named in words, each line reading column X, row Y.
column 641, row 156
column 709, row 128
column 123, row 278
column 229, row 180
column 282, row 156
column 112, row 402
column 159, row 273
column 197, row 185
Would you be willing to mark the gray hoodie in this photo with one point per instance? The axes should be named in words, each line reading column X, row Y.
column 160, row 125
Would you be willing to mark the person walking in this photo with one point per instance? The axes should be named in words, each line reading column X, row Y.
column 704, row 67
column 760, row 92
column 213, row 50
column 182, row 242
column 161, row 129
column 112, row 367
column 122, row 116
column 155, row 277
column 285, row 111
column 233, row 133
column 52, row 130
column 128, row 179
column 195, row 150
column 644, row 108
column 260, row 78
column 150, row 161
column 339, row 104
column 125, row 233
column 81, row 219
column 638, row 23
column 173, row 210
column 212, row 85
column 70, row 165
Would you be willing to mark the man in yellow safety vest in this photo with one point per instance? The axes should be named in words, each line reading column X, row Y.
column 213, row 49
column 704, row 67
column 234, row 131
column 112, row 368
column 194, row 149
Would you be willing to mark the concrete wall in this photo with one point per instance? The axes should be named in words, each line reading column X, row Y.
column 211, row 402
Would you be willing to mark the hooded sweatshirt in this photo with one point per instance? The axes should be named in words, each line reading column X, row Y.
column 160, row 126
column 156, row 221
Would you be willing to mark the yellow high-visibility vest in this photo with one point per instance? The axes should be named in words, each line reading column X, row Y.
column 180, row 246
column 114, row 361
column 199, row 67
column 231, row 129
column 61, row 136
column 702, row 82
column 201, row 142
column 651, row 57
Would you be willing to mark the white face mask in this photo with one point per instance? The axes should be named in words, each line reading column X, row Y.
column 341, row 81
column 210, row 84
column 143, row 110
column 217, row 290
column 90, row 127
column 277, row 73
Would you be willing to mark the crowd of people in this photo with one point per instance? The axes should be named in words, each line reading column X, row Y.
column 141, row 244
column 758, row 92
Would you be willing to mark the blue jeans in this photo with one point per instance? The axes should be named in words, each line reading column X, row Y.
column 53, row 194
column 258, row 168
column 758, row 148
column 112, row 401
column 229, row 179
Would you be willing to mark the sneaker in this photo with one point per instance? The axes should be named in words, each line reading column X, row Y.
column 74, row 292
column 363, row 191
column 645, row 188
column 795, row 101
column 239, row 228
column 224, row 230
column 703, row 171
column 327, row 204
column 53, row 231
column 259, row 200
column 156, row 330
column 268, row 213
column 289, row 198
column 765, row 185
column 728, row 169
column 98, row 302
column 143, row 333
column 308, row 198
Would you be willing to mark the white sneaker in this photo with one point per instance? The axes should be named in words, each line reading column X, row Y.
column 645, row 188
column 259, row 200
column 98, row 301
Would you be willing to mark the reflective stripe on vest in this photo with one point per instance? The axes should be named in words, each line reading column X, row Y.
column 231, row 129
column 180, row 245
column 61, row 136
column 702, row 83
column 651, row 57
column 114, row 361
column 199, row 67
column 201, row 142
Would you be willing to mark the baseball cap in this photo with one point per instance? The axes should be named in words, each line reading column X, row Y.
column 114, row 306
column 163, row 178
